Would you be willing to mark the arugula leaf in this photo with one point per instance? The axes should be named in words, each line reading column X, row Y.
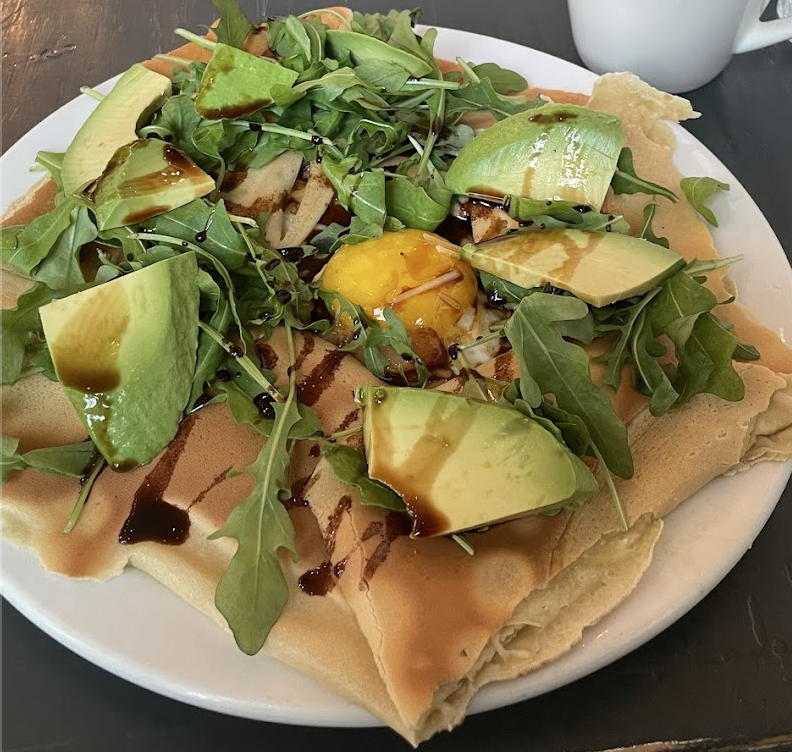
column 650, row 377
column 582, row 330
column 48, row 248
column 299, row 44
column 550, row 365
column 241, row 394
column 39, row 360
column 742, row 350
column 456, row 137
column 503, row 80
column 10, row 460
column 559, row 215
column 17, row 325
column 123, row 237
column 52, row 161
column 60, row 270
column 363, row 192
column 188, row 80
column 71, row 459
column 222, row 240
column 623, row 320
column 359, row 232
column 382, row 25
column 474, row 97
column 501, row 292
column 702, row 347
column 646, row 226
column 626, row 181
column 36, row 240
column 384, row 75
column 423, row 207
column 700, row 190
column 209, row 137
column 571, row 427
column 349, row 466
column 393, row 336
column 234, row 25
column 403, row 36
column 179, row 118
column 210, row 354
column 253, row 591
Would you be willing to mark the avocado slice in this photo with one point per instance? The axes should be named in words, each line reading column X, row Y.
column 597, row 267
column 557, row 152
column 146, row 178
column 114, row 122
column 236, row 83
column 124, row 352
column 363, row 48
column 460, row 464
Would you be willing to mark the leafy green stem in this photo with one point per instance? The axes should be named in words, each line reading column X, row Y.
column 338, row 435
column 281, row 130
column 92, row 93
column 173, row 59
column 435, row 127
column 196, row 39
column 491, row 337
column 464, row 543
column 87, row 485
column 611, row 486
column 244, row 361
column 470, row 75
column 419, row 84
column 696, row 267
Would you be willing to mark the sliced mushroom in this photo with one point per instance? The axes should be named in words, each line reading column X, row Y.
column 489, row 221
column 263, row 189
column 316, row 197
column 274, row 229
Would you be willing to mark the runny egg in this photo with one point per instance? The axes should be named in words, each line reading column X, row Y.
column 427, row 287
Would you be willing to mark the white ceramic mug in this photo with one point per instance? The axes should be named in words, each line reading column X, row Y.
column 675, row 45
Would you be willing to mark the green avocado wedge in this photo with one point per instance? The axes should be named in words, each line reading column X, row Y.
column 144, row 179
column 557, row 152
column 597, row 267
column 460, row 464
column 114, row 122
column 236, row 83
column 124, row 352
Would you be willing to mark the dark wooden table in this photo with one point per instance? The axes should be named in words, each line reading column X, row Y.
column 723, row 672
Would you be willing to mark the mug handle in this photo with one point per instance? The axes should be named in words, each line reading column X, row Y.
column 759, row 34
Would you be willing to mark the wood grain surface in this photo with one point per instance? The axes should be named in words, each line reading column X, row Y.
column 723, row 673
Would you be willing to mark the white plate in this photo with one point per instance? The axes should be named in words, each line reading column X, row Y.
column 135, row 628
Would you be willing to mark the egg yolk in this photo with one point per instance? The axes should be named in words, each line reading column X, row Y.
column 374, row 273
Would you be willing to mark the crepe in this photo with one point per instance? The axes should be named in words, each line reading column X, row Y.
column 411, row 629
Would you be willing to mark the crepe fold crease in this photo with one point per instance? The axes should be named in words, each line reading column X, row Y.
column 413, row 629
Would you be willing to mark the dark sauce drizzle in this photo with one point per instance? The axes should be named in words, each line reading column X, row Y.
column 317, row 581
column 320, row 378
column 397, row 524
column 151, row 517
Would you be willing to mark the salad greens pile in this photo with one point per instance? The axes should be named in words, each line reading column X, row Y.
column 370, row 104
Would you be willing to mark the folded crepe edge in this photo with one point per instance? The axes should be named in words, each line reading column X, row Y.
column 576, row 598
